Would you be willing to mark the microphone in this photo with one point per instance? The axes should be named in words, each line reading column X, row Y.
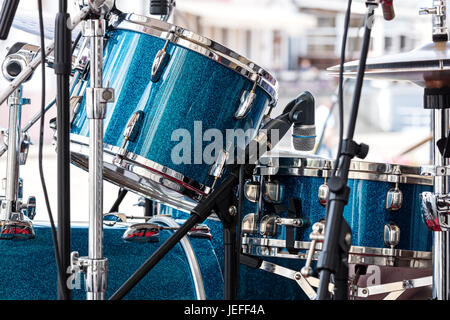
column 7, row 14
column 159, row 7
column 388, row 9
column 302, row 115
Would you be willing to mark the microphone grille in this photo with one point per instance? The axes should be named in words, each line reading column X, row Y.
column 304, row 138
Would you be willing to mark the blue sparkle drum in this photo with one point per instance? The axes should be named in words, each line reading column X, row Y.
column 174, row 92
column 288, row 195
column 190, row 271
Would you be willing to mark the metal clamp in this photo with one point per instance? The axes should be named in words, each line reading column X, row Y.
column 439, row 12
column 435, row 171
column 96, row 100
column 95, row 274
column 436, row 211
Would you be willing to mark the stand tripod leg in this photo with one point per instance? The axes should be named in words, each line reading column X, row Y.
column 230, row 272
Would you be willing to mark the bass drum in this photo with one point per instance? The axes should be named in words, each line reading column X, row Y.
column 253, row 284
column 190, row 271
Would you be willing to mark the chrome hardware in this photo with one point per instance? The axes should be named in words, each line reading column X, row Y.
column 17, row 61
column 133, row 126
column 305, row 284
column 395, row 288
column 324, row 192
column 17, row 230
column 149, row 232
column 394, row 199
column 172, row 5
column 268, row 226
column 95, row 274
column 29, row 209
column 24, row 148
column 317, row 235
column 436, row 211
column 110, row 219
column 273, row 192
column 96, row 100
column 248, row 99
column 249, row 224
column 247, row 102
column 439, row 12
column 162, row 57
column 391, row 235
column 216, row 170
column 292, row 222
column 142, row 232
column 251, row 191
column 435, row 171
column 130, row 133
column 99, row 7
column 200, row 231
column 75, row 103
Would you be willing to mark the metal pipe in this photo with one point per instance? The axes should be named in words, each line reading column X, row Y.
column 96, row 100
column 441, row 122
column 12, row 167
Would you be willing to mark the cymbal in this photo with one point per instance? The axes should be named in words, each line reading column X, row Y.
column 427, row 66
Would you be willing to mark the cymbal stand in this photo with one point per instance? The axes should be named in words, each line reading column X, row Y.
column 436, row 205
column 95, row 266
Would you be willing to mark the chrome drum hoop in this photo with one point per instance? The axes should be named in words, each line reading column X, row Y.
column 190, row 255
column 201, row 45
column 142, row 176
column 359, row 170
column 382, row 257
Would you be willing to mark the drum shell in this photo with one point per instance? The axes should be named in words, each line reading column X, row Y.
column 32, row 266
column 365, row 212
column 192, row 88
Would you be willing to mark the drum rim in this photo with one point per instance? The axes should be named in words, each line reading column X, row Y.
column 385, row 257
column 144, row 176
column 199, row 44
column 359, row 170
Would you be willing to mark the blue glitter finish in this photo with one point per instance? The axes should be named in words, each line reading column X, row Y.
column 365, row 211
column 253, row 284
column 28, row 270
column 192, row 88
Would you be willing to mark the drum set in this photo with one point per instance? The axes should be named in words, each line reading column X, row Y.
column 145, row 94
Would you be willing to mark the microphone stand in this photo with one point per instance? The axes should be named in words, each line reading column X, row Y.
column 63, row 68
column 338, row 238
